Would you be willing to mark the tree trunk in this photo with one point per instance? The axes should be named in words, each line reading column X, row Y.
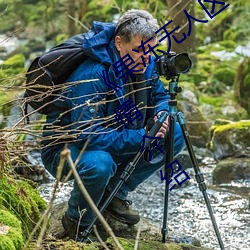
column 176, row 13
column 72, row 13
column 83, row 7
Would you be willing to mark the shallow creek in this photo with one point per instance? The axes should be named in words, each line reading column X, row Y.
column 188, row 215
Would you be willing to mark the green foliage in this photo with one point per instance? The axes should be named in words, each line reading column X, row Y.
column 212, row 74
column 224, row 75
column 60, row 38
column 230, row 24
column 17, row 61
column 12, row 67
column 214, row 101
column 22, row 200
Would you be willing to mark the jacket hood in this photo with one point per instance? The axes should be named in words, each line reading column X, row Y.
column 98, row 43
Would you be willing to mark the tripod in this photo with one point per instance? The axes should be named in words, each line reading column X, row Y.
column 173, row 90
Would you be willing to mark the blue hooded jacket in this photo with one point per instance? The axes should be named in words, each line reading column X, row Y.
column 91, row 104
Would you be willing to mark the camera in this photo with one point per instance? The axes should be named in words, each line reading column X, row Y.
column 172, row 65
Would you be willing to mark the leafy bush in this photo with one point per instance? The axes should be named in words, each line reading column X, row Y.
column 224, row 75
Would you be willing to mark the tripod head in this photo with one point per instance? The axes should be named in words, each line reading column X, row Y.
column 174, row 89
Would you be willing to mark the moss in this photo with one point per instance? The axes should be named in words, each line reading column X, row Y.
column 6, row 243
column 16, row 61
column 13, row 238
column 10, row 220
column 66, row 245
column 225, row 75
column 228, row 45
column 222, row 122
column 128, row 244
column 22, row 200
column 16, row 237
column 13, row 71
column 236, row 125
column 215, row 101
column 222, row 132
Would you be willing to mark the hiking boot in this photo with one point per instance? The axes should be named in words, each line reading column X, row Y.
column 75, row 231
column 121, row 211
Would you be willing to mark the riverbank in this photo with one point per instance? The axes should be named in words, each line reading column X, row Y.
column 188, row 216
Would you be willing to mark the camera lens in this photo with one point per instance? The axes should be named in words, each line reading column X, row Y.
column 171, row 65
column 182, row 63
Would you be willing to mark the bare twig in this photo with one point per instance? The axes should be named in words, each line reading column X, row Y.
column 99, row 238
column 79, row 22
column 137, row 236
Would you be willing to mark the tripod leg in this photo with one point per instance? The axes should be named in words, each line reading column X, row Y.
column 169, row 159
column 199, row 176
column 128, row 170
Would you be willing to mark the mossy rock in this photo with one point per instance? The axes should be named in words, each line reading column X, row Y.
column 231, row 169
column 10, row 231
column 128, row 244
column 22, row 200
column 221, row 107
column 231, row 139
column 150, row 236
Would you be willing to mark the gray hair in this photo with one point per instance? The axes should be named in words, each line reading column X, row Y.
column 136, row 22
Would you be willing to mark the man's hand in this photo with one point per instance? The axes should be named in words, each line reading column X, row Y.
column 164, row 128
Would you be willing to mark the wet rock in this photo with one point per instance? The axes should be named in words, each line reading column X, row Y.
column 150, row 235
column 206, row 109
column 31, row 167
column 231, row 169
column 197, row 125
column 232, row 139
column 228, row 110
column 200, row 154
column 188, row 95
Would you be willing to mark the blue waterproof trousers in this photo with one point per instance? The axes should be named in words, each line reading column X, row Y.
column 100, row 170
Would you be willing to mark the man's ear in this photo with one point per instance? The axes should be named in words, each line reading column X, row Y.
column 118, row 43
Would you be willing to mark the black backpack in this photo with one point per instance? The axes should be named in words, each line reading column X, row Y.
column 48, row 73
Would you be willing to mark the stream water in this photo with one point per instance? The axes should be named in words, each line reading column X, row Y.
column 188, row 215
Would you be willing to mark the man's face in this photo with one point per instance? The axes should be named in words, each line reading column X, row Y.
column 126, row 48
